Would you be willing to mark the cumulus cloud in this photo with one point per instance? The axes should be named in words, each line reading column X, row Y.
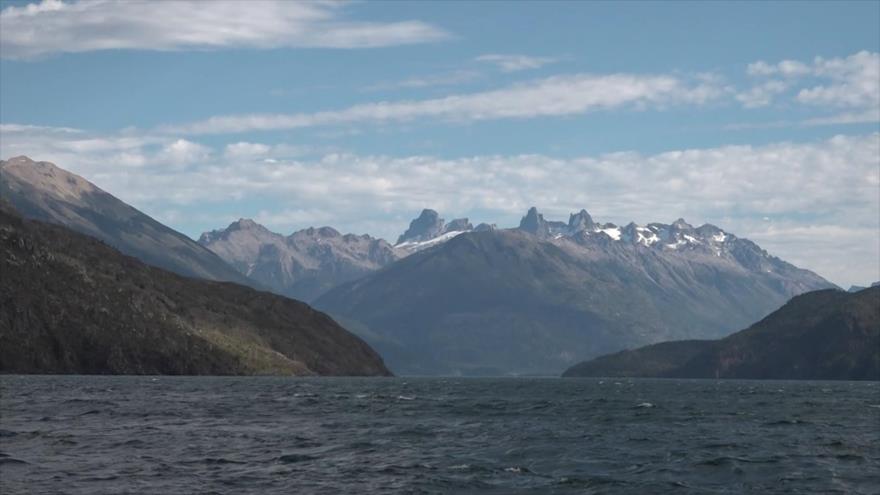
column 183, row 152
column 54, row 26
column 854, row 82
column 514, row 63
column 552, row 96
column 819, row 198
column 849, row 83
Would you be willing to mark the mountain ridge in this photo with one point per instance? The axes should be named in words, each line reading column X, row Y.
column 43, row 191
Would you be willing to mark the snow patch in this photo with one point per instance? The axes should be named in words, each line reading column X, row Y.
column 417, row 245
column 612, row 233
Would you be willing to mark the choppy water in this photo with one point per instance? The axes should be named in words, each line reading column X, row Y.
column 91, row 435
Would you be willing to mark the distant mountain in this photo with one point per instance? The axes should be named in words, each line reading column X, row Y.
column 43, row 191
column 302, row 265
column 71, row 304
column 822, row 335
column 537, row 299
column 309, row 262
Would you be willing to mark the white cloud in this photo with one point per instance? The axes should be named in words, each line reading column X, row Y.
column 53, row 26
column 854, row 82
column 245, row 150
column 762, row 94
column 820, row 199
column 849, row 83
column 514, row 63
column 445, row 79
column 552, row 96
column 183, row 152
column 787, row 68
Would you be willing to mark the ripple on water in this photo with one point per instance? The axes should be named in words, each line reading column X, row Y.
column 228, row 435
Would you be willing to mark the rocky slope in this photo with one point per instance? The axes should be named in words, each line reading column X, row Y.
column 43, row 191
column 822, row 335
column 302, row 265
column 71, row 304
column 542, row 297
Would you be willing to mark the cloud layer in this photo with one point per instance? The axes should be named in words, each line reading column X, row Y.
column 846, row 89
column 53, row 26
column 552, row 96
column 815, row 204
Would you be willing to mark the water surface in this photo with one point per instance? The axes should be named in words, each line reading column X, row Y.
column 232, row 435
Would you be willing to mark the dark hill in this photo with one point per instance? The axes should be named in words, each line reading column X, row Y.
column 821, row 335
column 71, row 304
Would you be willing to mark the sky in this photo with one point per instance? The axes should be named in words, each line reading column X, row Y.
column 761, row 118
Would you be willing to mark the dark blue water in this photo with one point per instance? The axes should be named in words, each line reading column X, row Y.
column 92, row 435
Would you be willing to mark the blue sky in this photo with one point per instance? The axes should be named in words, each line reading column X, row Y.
column 761, row 118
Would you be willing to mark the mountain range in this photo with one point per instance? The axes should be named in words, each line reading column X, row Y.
column 540, row 297
column 70, row 303
column 302, row 265
column 821, row 335
column 309, row 262
column 451, row 298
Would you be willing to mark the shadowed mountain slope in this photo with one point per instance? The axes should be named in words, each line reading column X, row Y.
column 71, row 304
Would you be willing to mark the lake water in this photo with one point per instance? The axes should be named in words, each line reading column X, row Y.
column 93, row 435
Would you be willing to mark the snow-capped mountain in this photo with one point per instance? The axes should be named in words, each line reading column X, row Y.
column 539, row 297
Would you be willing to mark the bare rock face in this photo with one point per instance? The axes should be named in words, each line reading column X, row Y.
column 43, row 191
column 427, row 225
column 72, row 304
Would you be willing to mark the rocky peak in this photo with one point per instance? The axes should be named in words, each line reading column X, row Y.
column 681, row 224
column 534, row 223
column 244, row 224
column 581, row 221
column 427, row 226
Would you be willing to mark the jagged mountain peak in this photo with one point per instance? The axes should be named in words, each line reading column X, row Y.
column 580, row 221
column 428, row 229
column 424, row 227
column 534, row 223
